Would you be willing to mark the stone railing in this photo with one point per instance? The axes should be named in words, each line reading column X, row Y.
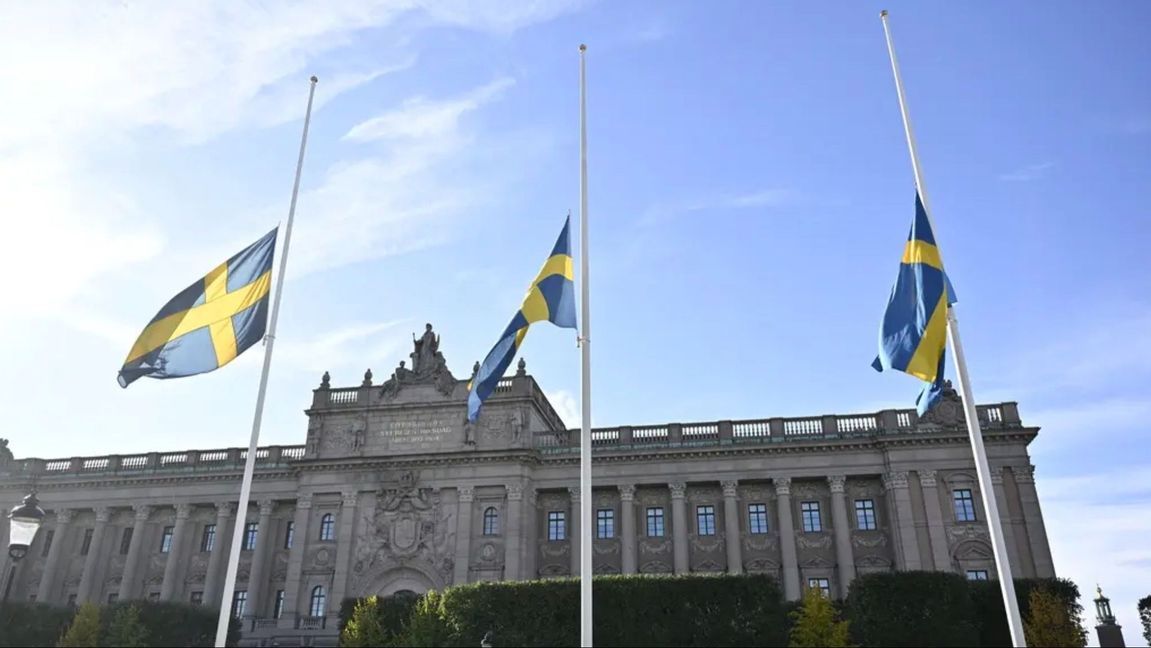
column 769, row 430
column 226, row 459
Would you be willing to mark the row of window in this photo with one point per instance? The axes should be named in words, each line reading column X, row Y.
column 317, row 606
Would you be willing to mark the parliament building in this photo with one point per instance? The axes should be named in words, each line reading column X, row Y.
column 392, row 492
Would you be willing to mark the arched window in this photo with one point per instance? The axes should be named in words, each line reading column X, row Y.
column 491, row 521
column 319, row 601
column 327, row 527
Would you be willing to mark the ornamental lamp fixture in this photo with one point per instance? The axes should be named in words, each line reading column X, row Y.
column 24, row 521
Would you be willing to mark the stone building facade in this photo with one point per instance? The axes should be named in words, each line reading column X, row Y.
column 392, row 492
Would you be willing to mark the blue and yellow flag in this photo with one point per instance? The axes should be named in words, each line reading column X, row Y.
column 551, row 298
column 210, row 322
column 913, row 337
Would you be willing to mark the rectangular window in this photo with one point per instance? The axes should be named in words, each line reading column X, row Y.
column 279, row 609
column 87, row 544
column 251, row 530
column 964, row 505
column 208, row 539
column 605, row 523
column 126, row 541
column 705, row 520
column 865, row 515
column 655, row 522
column 113, row 597
column 821, row 584
column 154, row 596
column 239, row 603
column 757, row 518
column 289, row 534
column 166, row 540
column 556, row 529
column 812, row 523
column 197, row 598
column 71, row 600
column 47, row 543
column 976, row 574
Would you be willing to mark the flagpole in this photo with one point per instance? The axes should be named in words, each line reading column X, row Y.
column 982, row 469
column 270, row 340
column 585, row 347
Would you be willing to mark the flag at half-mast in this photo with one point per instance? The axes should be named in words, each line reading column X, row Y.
column 209, row 323
column 913, row 336
column 551, row 298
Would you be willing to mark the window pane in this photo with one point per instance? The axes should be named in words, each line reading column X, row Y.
column 279, row 609
column 251, row 531
column 491, row 521
column 977, row 574
column 239, row 603
column 812, row 523
column 821, row 584
column 964, row 505
column 166, row 540
column 125, row 542
column 865, row 515
column 655, row 522
column 208, row 541
column 757, row 518
column 556, row 529
column 319, row 598
column 288, row 536
column 87, row 544
column 327, row 523
column 605, row 523
column 47, row 543
column 705, row 520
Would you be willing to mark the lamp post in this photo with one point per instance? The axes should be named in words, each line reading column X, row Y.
column 24, row 522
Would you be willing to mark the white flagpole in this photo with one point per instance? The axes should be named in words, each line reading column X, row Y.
column 585, row 522
column 990, row 507
column 270, row 339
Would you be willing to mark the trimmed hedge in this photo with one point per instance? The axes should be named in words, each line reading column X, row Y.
column 912, row 609
column 988, row 600
column 167, row 624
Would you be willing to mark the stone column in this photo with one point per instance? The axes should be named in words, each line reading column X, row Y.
column 627, row 527
column 842, row 527
column 787, row 540
column 574, row 530
column 256, row 576
column 172, row 568
column 48, row 579
column 1005, row 522
column 218, row 558
column 936, row 528
column 731, row 527
column 343, row 552
column 1033, row 521
column 513, row 547
column 531, row 559
column 679, row 527
column 896, row 484
column 84, row 592
column 463, row 535
column 128, row 588
column 300, row 536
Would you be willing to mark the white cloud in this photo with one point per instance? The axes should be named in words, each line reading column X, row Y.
column 1027, row 173
column 420, row 117
column 566, row 406
column 1071, row 424
column 346, row 347
column 773, row 197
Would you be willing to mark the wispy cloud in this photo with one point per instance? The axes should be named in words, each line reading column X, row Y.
column 722, row 202
column 345, row 348
column 1027, row 173
column 420, row 117
column 566, row 406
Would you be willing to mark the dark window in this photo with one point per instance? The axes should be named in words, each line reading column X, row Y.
column 47, row 543
column 865, row 515
column 605, row 523
column 125, row 542
column 327, row 527
column 239, row 603
column 289, row 534
column 705, row 520
column 976, row 574
column 319, row 601
column 71, row 600
column 251, row 530
column 757, row 518
column 87, row 544
column 279, row 608
column 812, row 523
column 197, row 598
column 491, row 521
column 208, row 540
column 556, row 529
column 113, row 597
column 166, row 540
column 655, row 522
column 154, row 596
column 821, row 584
column 964, row 505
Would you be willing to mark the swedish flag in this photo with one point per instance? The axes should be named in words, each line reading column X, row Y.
column 551, row 298
column 913, row 336
column 209, row 323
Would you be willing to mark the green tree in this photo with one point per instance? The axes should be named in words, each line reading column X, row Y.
column 426, row 626
column 126, row 629
column 364, row 628
column 1050, row 623
column 1145, row 617
column 816, row 623
column 85, row 628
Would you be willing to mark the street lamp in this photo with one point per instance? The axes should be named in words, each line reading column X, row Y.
column 24, row 522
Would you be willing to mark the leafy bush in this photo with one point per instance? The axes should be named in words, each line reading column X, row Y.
column 911, row 609
column 816, row 623
column 32, row 624
column 1145, row 617
column 125, row 629
column 1048, row 622
column 991, row 617
column 84, row 630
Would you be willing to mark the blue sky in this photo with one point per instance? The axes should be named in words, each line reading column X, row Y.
column 749, row 188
